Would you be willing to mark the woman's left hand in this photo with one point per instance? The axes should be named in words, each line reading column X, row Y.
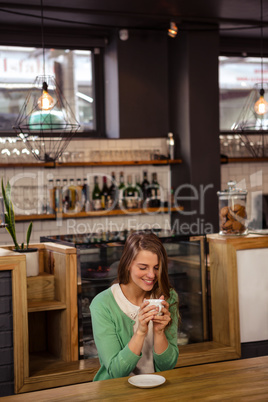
column 161, row 321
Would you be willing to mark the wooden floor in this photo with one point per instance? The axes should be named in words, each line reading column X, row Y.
column 238, row 380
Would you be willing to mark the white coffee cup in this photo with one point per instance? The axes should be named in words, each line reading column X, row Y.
column 156, row 303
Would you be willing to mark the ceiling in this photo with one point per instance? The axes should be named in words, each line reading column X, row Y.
column 239, row 18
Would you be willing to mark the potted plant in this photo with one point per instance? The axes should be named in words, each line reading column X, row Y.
column 32, row 262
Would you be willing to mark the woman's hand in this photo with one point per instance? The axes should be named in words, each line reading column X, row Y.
column 146, row 314
column 161, row 321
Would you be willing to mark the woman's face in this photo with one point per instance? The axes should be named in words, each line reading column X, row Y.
column 144, row 270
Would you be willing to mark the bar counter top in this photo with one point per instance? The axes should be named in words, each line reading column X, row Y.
column 235, row 380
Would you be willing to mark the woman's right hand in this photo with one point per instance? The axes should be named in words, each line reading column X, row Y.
column 146, row 314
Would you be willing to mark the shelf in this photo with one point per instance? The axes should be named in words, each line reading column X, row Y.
column 45, row 364
column 45, row 305
column 77, row 164
column 136, row 211
column 34, row 217
column 244, row 160
column 133, row 211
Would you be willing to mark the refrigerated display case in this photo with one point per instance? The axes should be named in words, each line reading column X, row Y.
column 98, row 255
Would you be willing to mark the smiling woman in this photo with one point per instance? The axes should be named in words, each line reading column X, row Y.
column 130, row 336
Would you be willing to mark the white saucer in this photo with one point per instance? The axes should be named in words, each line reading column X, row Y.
column 147, row 380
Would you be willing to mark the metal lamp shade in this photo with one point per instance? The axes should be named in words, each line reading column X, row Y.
column 46, row 133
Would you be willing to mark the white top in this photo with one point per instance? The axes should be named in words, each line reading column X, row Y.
column 146, row 363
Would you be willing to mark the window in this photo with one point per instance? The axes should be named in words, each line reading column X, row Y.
column 72, row 69
column 237, row 77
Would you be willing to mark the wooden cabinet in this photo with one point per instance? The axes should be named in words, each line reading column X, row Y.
column 45, row 316
column 239, row 281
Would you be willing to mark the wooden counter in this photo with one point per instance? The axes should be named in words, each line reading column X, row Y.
column 233, row 381
column 239, row 264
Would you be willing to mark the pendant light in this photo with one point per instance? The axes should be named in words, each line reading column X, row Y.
column 253, row 117
column 46, row 123
column 172, row 30
column 261, row 106
column 45, row 102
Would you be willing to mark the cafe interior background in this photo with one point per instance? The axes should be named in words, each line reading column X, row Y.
column 130, row 83
column 129, row 91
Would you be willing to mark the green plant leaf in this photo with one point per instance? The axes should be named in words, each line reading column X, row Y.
column 4, row 195
column 29, row 232
column 9, row 215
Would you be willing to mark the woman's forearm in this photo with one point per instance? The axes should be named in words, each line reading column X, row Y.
column 160, row 342
column 136, row 342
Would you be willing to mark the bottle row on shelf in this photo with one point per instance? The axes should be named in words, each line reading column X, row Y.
column 69, row 196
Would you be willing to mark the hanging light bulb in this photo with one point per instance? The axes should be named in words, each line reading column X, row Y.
column 173, row 30
column 58, row 121
column 261, row 106
column 45, row 102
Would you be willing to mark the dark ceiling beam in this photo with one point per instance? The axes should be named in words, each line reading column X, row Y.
column 123, row 14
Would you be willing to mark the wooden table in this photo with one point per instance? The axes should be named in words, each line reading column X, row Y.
column 237, row 380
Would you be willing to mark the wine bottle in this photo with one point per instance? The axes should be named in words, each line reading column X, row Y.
column 51, row 197
column 104, row 193
column 65, row 195
column 171, row 202
column 155, row 201
column 96, row 195
column 121, row 190
column 138, row 191
column 129, row 194
column 78, row 195
column 72, row 195
column 145, row 188
column 58, row 197
column 85, row 196
column 113, row 193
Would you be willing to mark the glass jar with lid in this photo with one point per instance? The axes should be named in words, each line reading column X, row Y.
column 232, row 210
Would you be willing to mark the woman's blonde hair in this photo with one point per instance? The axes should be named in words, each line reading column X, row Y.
column 137, row 242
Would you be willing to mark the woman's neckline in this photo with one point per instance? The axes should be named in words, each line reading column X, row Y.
column 131, row 300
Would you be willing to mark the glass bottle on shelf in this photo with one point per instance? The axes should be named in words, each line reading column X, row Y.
column 155, row 201
column 96, row 195
column 121, row 190
column 171, row 200
column 104, row 193
column 72, row 195
column 85, row 196
column 51, row 197
column 145, row 188
column 58, row 197
column 65, row 195
column 113, row 193
column 138, row 190
column 170, row 146
column 78, row 196
column 129, row 194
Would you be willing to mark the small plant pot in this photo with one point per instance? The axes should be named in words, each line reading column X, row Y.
column 32, row 260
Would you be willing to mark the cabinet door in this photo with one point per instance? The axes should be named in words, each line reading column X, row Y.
column 252, row 271
column 186, row 267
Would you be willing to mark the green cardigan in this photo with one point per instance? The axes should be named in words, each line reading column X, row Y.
column 113, row 329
